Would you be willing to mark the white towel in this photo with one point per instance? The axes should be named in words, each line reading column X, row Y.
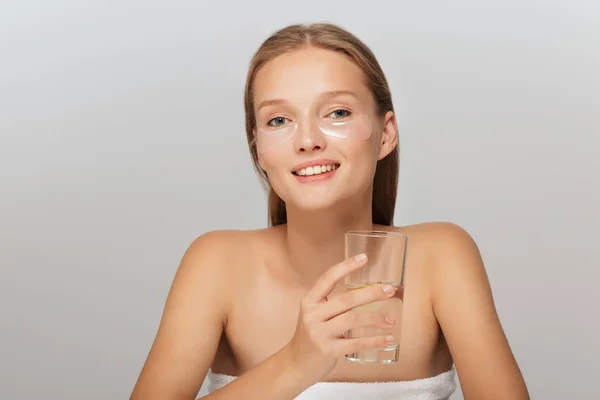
column 439, row 387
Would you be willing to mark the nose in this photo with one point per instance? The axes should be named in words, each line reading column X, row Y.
column 309, row 138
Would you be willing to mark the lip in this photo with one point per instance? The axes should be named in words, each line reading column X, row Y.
column 315, row 162
column 316, row 178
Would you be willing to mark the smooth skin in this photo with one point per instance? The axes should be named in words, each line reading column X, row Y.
column 269, row 305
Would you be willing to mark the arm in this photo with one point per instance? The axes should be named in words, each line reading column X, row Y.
column 191, row 325
column 195, row 315
column 464, row 307
column 276, row 378
column 317, row 343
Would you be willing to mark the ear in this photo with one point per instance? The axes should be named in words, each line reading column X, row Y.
column 389, row 135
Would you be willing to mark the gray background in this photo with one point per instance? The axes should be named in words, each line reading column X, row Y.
column 122, row 139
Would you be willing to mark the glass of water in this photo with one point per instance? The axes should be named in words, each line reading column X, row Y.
column 386, row 252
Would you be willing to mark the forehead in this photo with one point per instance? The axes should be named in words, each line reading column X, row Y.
column 302, row 75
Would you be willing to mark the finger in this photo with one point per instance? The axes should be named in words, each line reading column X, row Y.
column 356, row 319
column 348, row 346
column 326, row 283
column 353, row 299
column 399, row 293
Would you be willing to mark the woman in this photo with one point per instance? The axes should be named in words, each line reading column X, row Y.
column 264, row 310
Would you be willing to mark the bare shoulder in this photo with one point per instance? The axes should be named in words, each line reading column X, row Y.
column 217, row 252
column 212, row 242
column 217, row 239
column 195, row 315
column 210, row 268
column 442, row 233
column 207, row 257
column 438, row 241
column 451, row 257
column 451, row 250
column 463, row 305
column 224, row 254
column 214, row 245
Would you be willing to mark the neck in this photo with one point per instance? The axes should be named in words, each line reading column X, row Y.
column 315, row 240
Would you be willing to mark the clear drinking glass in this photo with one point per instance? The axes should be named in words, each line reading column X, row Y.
column 386, row 252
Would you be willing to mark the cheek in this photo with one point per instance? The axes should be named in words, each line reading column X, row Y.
column 362, row 151
column 362, row 159
column 276, row 167
column 273, row 161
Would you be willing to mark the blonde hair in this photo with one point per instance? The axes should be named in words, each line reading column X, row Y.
column 334, row 38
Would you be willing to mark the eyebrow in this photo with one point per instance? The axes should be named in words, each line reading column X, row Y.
column 331, row 93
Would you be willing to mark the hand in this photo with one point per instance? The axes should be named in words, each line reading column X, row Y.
column 318, row 341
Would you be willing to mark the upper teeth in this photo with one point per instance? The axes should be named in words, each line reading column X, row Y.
column 316, row 170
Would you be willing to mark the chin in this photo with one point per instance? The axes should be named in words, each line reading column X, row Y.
column 320, row 196
column 313, row 201
column 311, row 205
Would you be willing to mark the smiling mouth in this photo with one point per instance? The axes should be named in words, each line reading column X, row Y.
column 316, row 170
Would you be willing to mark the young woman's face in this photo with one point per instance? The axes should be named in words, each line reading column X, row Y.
column 318, row 132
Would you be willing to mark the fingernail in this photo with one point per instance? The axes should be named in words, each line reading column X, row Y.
column 388, row 289
column 361, row 257
column 390, row 320
column 389, row 338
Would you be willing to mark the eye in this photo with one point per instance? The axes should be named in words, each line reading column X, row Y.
column 339, row 114
column 277, row 121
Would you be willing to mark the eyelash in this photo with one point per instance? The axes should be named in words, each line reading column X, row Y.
column 270, row 122
column 348, row 113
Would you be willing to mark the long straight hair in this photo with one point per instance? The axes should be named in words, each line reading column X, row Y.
column 334, row 38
